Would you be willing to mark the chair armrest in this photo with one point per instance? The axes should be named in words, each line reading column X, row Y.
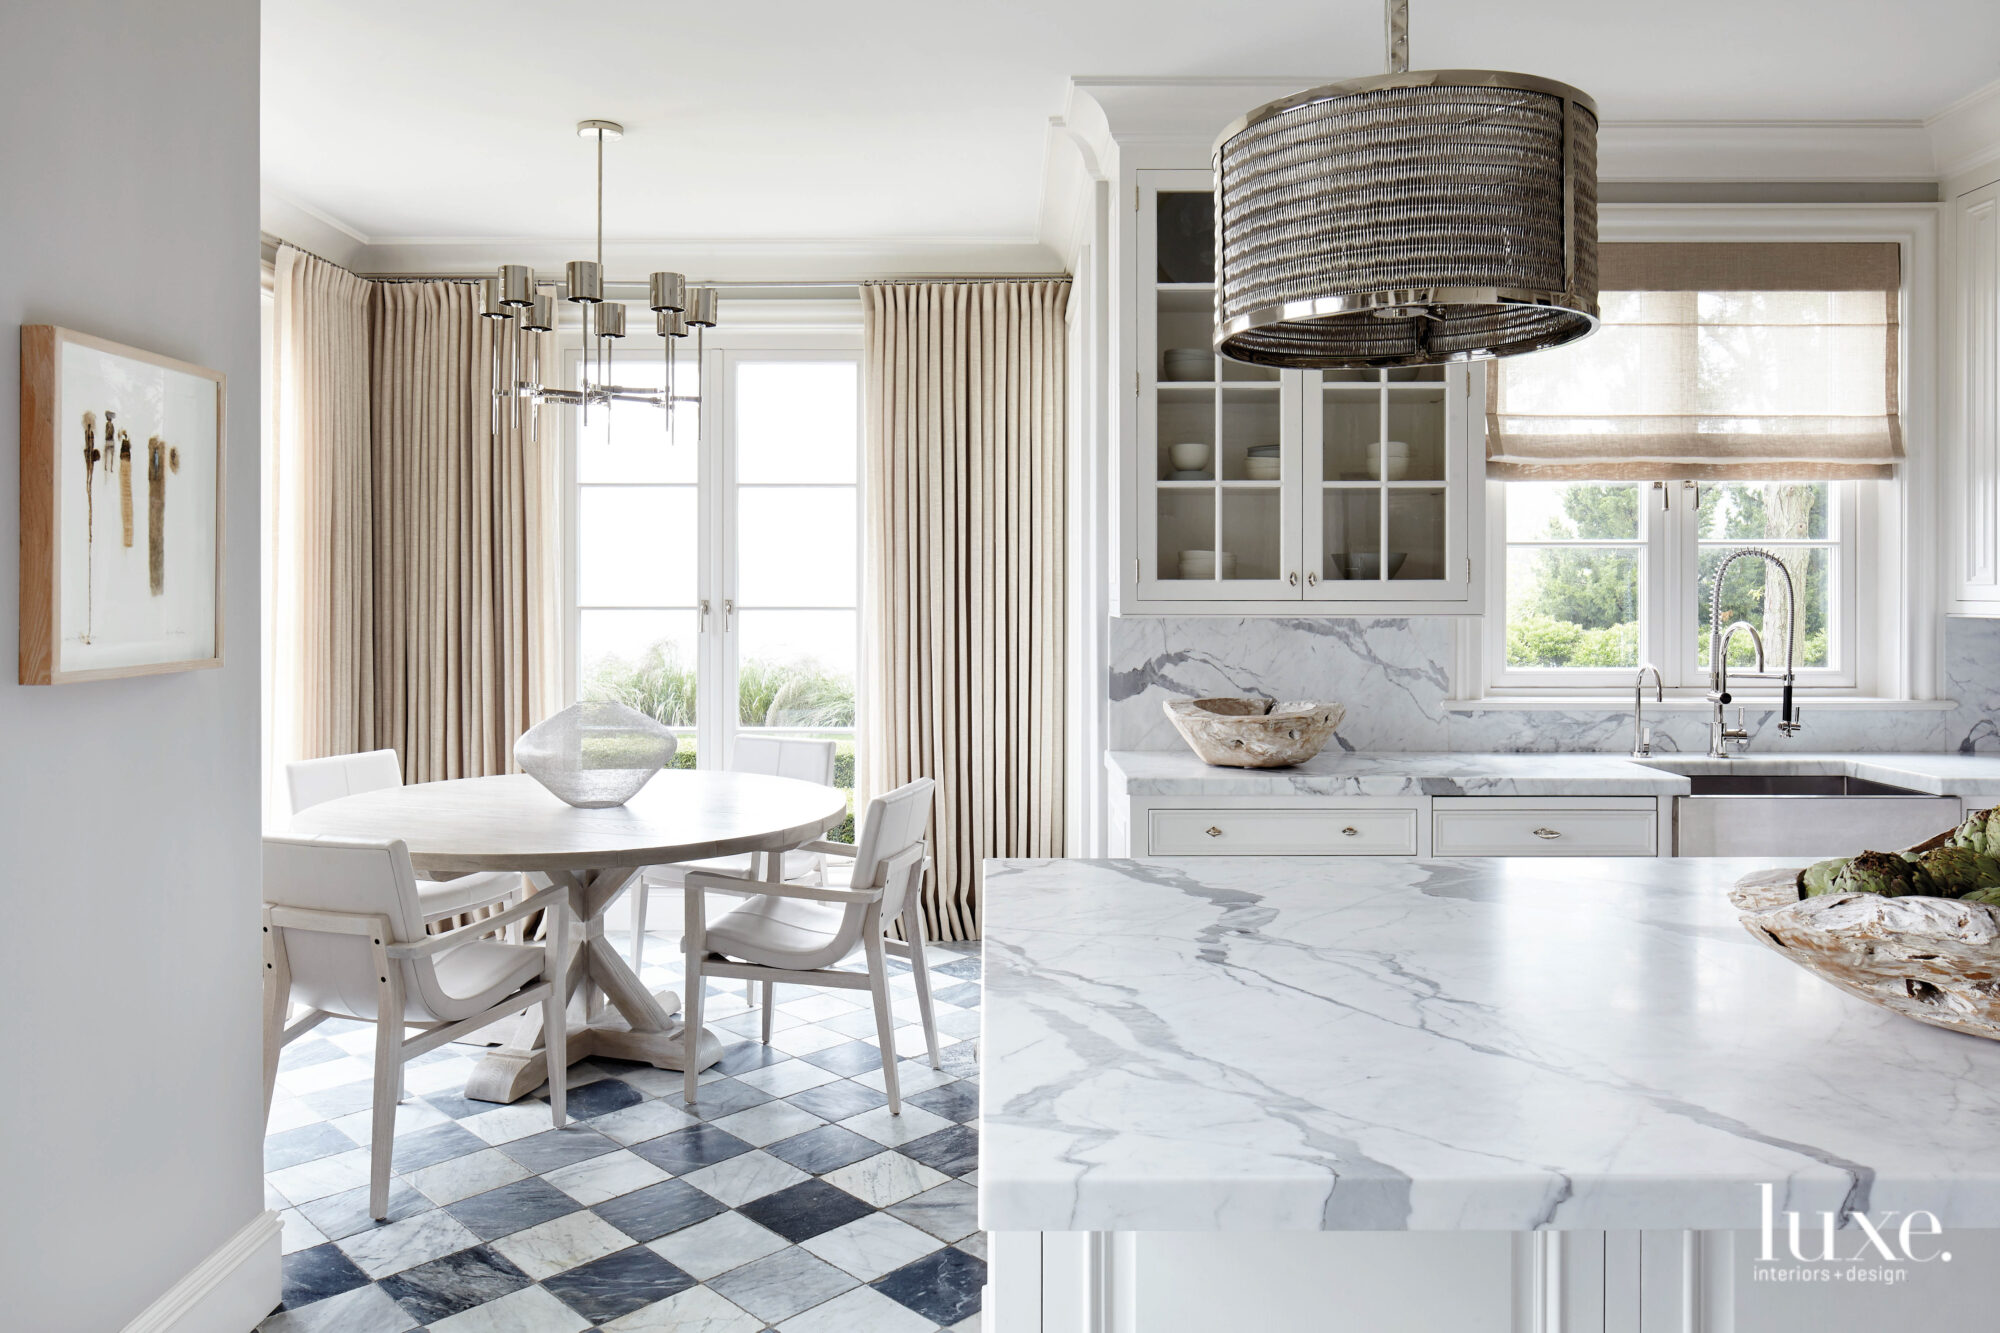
column 718, row 879
column 534, row 902
column 825, row 848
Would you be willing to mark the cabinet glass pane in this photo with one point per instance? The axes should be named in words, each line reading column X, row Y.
column 642, row 659
column 1355, row 447
column 635, row 546
column 1415, row 448
column 1186, row 236
column 1416, row 533
column 1187, row 434
column 1252, row 526
column 1187, row 533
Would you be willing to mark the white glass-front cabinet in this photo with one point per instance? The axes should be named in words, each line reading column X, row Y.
column 1255, row 489
column 1972, row 493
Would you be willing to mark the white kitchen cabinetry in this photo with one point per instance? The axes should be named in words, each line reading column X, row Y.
column 1972, row 493
column 1389, row 826
column 1248, row 490
column 1537, row 826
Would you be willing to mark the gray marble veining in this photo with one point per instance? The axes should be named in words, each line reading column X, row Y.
column 1394, row 675
column 1361, row 1043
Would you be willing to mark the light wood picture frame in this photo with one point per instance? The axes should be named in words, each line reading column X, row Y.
column 121, row 510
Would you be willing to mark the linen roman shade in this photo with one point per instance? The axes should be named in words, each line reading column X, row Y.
column 1716, row 361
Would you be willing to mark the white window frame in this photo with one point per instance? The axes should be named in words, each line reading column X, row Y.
column 1897, row 651
column 809, row 330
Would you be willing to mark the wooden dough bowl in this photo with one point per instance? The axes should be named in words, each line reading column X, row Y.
column 1936, row 960
column 1253, row 732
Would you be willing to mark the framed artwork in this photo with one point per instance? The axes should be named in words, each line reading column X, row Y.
column 121, row 510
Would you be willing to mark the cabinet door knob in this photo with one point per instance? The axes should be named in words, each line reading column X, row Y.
column 1293, row 578
column 1312, row 579
column 1214, row 832
column 1546, row 833
column 1350, row 832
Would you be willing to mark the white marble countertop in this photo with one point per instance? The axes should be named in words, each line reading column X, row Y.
column 1972, row 777
column 1381, row 1044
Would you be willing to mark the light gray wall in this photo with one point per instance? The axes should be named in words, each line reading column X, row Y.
column 129, row 951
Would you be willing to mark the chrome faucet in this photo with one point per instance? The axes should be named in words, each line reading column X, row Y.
column 1720, row 733
column 1642, row 735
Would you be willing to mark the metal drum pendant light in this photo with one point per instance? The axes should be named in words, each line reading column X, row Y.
column 1407, row 220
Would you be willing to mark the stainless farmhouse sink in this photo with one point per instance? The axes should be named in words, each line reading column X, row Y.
column 1809, row 815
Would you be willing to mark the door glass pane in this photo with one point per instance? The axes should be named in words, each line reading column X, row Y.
column 628, row 441
column 1574, row 606
column 797, row 421
column 795, row 669
column 642, row 659
column 796, row 546
column 1754, row 589
column 636, row 546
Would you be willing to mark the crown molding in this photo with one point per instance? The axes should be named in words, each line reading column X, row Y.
column 309, row 228
column 1818, row 150
column 1965, row 136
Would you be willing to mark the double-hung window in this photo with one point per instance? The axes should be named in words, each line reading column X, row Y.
column 1737, row 396
column 714, row 576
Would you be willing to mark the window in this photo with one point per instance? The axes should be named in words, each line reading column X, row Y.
column 1601, row 576
column 715, row 578
column 1738, row 395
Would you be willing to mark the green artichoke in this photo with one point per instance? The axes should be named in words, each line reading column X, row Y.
column 1957, row 871
column 1819, row 876
column 1880, row 872
column 1980, row 831
column 1990, row 897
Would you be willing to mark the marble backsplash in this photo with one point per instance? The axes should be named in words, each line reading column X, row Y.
column 1394, row 675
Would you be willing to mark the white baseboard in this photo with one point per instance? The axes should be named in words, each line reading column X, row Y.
column 229, row 1292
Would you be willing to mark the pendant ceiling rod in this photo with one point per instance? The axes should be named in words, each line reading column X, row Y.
column 1398, row 18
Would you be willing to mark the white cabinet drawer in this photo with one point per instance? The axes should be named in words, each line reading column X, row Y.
column 1515, row 826
column 1375, row 832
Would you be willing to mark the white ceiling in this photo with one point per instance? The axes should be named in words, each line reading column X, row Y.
column 926, row 121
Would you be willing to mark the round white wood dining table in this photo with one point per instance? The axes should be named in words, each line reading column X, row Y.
column 513, row 823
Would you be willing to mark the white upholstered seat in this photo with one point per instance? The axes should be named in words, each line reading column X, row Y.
column 345, row 935
column 310, row 782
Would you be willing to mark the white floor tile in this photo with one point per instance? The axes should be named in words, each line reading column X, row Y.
column 463, row 1177
column 592, row 1182
column 912, row 1074
column 804, row 1038
column 647, row 1120
column 363, row 1310
column 879, row 1125
column 298, row 1234
column 815, row 1006
column 529, row 1310
column 315, row 1180
column 870, row 1247
column 288, row 1112
column 504, row 1124
column 557, row 1246
column 723, row 1242
column 696, row 1310
column 411, row 1116
column 863, row 1310
column 747, row 1176
column 787, row 1077
column 766, row 1124
column 326, row 1074
column 440, row 1076
column 381, row 1251
column 886, row 1178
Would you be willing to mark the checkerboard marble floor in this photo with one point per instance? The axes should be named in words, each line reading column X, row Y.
column 788, row 1198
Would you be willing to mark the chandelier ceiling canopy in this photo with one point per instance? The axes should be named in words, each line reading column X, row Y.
column 1407, row 219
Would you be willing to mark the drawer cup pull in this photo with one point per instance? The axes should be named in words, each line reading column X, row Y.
column 1351, row 831
column 1547, row 833
column 1214, row 832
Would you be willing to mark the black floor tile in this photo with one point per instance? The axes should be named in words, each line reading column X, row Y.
column 689, row 1149
column 807, row 1209
column 837, row 1101
column 307, row 1052
column 724, row 1096
column 954, row 1101
column 341, row 1215
column 818, row 1151
column 315, row 1274
column 848, row 1059
column 332, row 1103
column 457, row 1107
column 965, row 994
column 444, row 1287
column 307, row 1143
column 602, row 1098
column 943, row 1286
column 618, row 1284
column 511, row 1208
column 953, row 1151
column 439, row 1143
column 745, row 1055
column 966, row 969
column 651, row 1213
column 550, row 1149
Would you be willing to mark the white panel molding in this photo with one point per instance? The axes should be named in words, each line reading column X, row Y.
column 1965, row 136
column 227, row 1292
column 1765, row 151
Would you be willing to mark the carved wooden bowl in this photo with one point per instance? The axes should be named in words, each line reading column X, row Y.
column 1936, row 960
column 1254, row 732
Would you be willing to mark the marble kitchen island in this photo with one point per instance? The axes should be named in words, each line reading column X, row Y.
column 1510, row 1094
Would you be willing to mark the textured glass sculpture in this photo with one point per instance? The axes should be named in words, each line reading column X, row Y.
column 595, row 754
column 1409, row 219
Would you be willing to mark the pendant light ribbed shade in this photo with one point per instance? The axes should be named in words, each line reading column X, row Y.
column 1409, row 219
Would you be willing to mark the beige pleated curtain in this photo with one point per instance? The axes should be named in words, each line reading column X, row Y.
column 966, row 448
column 423, row 528
column 1766, row 361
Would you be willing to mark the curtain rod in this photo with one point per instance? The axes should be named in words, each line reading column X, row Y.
column 746, row 285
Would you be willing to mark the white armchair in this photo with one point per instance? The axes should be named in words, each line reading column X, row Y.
column 310, row 782
column 777, row 756
column 344, row 935
column 796, row 933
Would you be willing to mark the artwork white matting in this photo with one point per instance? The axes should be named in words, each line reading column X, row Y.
column 121, row 505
